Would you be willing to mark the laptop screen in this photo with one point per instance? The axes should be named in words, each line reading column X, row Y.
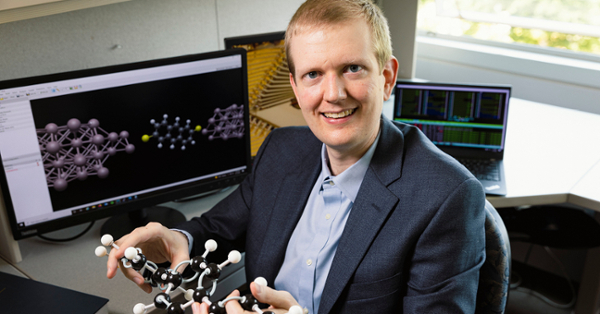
column 455, row 115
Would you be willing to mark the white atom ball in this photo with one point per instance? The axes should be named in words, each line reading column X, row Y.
column 261, row 281
column 101, row 251
column 139, row 308
column 131, row 253
column 106, row 240
column 295, row 309
column 210, row 245
column 189, row 294
column 234, row 257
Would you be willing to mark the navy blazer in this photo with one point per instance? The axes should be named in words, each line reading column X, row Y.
column 414, row 241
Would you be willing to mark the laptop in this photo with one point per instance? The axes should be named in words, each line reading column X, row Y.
column 467, row 121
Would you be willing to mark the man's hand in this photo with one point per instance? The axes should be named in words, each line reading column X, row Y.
column 280, row 301
column 158, row 244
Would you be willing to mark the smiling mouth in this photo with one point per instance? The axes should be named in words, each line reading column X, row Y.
column 339, row 115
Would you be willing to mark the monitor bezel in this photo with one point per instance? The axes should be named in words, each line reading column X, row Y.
column 159, row 197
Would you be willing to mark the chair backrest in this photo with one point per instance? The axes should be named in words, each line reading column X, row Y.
column 494, row 276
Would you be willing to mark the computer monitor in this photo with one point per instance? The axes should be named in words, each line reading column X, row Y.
column 89, row 144
column 461, row 119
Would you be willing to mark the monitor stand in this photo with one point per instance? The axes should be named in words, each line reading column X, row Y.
column 122, row 224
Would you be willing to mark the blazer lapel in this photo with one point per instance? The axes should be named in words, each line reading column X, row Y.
column 371, row 209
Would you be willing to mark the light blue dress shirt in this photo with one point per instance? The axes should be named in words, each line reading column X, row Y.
column 313, row 244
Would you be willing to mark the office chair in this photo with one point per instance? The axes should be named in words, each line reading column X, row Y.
column 494, row 276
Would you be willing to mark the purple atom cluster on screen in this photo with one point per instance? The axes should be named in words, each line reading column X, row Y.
column 76, row 151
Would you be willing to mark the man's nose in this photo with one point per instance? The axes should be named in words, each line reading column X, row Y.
column 334, row 89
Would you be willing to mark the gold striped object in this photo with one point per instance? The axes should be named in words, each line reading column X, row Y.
column 268, row 75
column 268, row 85
column 259, row 129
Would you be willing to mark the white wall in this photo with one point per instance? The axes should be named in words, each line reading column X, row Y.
column 144, row 29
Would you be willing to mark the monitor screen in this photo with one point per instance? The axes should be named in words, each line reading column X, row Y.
column 455, row 115
column 89, row 144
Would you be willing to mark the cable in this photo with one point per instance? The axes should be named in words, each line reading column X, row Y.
column 16, row 267
column 542, row 297
column 41, row 236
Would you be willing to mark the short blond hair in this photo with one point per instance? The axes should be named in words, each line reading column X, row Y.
column 316, row 13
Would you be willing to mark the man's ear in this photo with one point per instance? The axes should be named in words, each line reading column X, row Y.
column 390, row 73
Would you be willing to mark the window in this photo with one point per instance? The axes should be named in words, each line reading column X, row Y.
column 566, row 24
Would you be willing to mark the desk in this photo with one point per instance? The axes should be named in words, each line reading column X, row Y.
column 73, row 264
column 548, row 151
column 552, row 156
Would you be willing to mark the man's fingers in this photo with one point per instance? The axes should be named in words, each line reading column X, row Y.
column 159, row 244
column 199, row 308
column 139, row 235
column 277, row 299
column 179, row 250
column 234, row 307
column 134, row 276
column 177, row 260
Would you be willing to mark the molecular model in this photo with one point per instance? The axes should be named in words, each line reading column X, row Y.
column 226, row 123
column 169, row 280
column 184, row 137
column 76, row 151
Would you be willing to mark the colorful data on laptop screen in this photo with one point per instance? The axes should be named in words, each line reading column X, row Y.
column 458, row 115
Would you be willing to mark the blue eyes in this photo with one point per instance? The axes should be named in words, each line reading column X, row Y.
column 354, row 68
column 351, row 68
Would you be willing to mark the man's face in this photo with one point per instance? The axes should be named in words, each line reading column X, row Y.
column 339, row 86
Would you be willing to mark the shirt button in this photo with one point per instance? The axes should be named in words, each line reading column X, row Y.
column 327, row 216
column 309, row 262
column 331, row 183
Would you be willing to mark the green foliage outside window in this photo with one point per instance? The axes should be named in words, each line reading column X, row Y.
column 428, row 21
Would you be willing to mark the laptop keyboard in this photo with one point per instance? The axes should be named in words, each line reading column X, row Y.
column 482, row 169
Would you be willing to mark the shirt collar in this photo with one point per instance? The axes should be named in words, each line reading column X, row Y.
column 350, row 180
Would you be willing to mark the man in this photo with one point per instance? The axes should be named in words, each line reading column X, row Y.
column 354, row 214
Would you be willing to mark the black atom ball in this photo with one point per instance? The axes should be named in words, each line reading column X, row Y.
column 216, row 309
column 214, row 273
column 249, row 302
column 197, row 263
column 174, row 279
column 157, row 277
column 175, row 308
column 140, row 263
column 199, row 294
column 158, row 303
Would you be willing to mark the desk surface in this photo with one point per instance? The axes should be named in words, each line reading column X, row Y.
column 548, row 151
column 552, row 156
column 74, row 265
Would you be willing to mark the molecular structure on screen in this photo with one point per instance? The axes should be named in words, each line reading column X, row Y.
column 169, row 280
column 226, row 123
column 76, row 151
column 184, row 137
